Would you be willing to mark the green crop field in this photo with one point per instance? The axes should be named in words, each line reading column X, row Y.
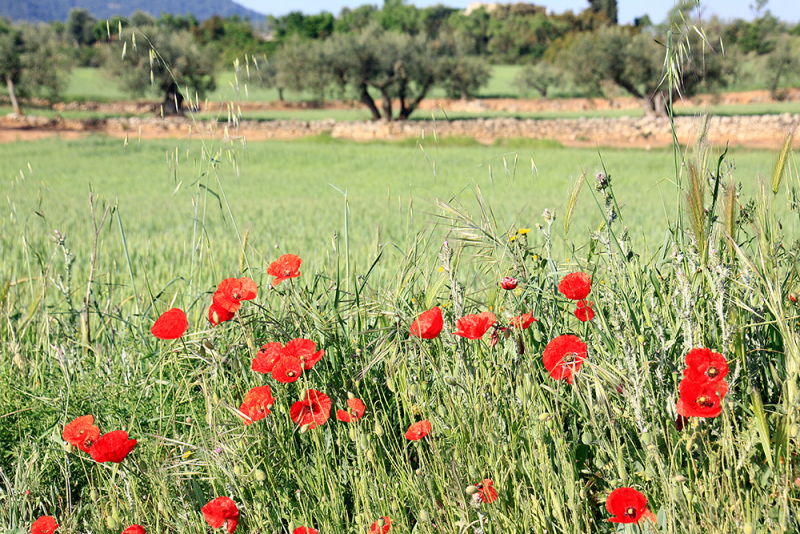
column 605, row 414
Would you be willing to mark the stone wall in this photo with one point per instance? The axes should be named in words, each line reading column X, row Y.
column 765, row 131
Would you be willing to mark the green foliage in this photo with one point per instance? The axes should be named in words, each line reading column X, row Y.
column 165, row 61
column 539, row 77
column 80, row 27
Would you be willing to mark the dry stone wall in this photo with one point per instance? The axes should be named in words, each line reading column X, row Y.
column 765, row 131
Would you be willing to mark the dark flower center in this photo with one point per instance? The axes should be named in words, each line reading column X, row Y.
column 569, row 357
column 712, row 372
column 704, row 401
column 290, row 374
column 630, row 511
column 236, row 295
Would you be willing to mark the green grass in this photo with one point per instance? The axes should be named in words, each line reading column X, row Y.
column 435, row 221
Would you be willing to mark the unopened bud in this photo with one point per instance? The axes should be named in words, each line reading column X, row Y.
column 423, row 516
column 471, row 490
column 378, row 429
column 261, row 476
column 305, row 428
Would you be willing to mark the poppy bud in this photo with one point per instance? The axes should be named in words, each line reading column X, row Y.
column 111, row 523
column 471, row 490
column 261, row 476
column 544, row 416
column 586, row 438
column 494, row 337
column 237, row 470
column 646, row 438
column 473, row 473
column 93, row 495
column 450, row 381
column 304, row 428
column 423, row 516
column 794, row 430
column 378, row 429
column 640, row 339
column 747, row 528
column 793, row 297
column 509, row 283
column 352, row 433
column 418, row 472
column 363, row 442
column 350, row 395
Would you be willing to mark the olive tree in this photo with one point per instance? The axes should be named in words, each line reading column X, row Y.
column 166, row 62
column 32, row 62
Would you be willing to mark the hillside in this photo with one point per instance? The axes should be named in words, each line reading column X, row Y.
column 48, row 10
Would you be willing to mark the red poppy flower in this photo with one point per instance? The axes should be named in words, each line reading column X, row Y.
column 305, row 530
column 509, row 283
column 627, row 506
column 701, row 399
column 304, row 350
column 256, row 404
column 267, row 357
column 355, row 409
column 576, row 286
column 44, row 525
column 486, row 492
column 418, row 430
column 134, row 529
column 285, row 267
column 563, row 357
column 703, row 365
column 170, row 325
column 474, row 326
column 220, row 510
column 112, row 447
column 232, row 291
column 428, row 324
column 523, row 321
column 218, row 314
column 81, row 432
column 313, row 411
column 376, row 527
column 288, row 369
column 584, row 311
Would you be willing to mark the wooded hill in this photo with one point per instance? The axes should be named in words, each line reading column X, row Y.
column 50, row 10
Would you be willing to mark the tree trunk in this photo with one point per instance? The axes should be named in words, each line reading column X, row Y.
column 13, row 96
column 405, row 112
column 367, row 100
column 173, row 101
column 386, row 104
column 280, row 94
column 654, row 106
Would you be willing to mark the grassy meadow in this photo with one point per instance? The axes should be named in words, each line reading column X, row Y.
column 680, row 257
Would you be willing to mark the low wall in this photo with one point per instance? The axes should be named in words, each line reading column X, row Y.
column 765, row 131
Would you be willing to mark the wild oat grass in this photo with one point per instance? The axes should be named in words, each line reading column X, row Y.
column 386, row 234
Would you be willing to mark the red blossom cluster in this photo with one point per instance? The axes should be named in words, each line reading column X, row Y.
column 228, row 298
column 286, row 363
column 703, row 386
column 111, row 447
column 576, row 286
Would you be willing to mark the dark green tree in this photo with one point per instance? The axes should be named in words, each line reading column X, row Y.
column 80, row 27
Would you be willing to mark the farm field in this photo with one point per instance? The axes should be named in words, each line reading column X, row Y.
column 657, row 392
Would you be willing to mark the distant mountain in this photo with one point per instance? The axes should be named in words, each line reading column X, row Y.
column 48, row 10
